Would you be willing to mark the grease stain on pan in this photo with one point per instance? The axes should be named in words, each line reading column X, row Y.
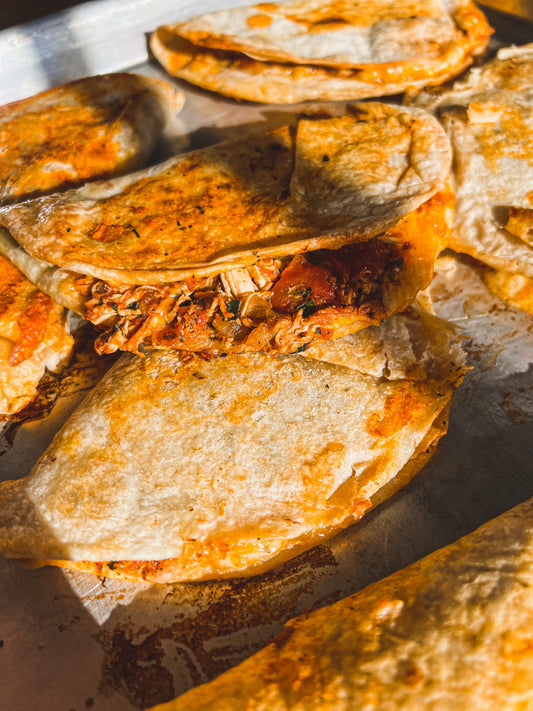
column 154, row 652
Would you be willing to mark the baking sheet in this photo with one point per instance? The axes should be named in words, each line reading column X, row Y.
column 72, row 642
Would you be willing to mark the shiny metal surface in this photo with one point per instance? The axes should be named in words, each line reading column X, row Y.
column 75, row 642
column 91, row 38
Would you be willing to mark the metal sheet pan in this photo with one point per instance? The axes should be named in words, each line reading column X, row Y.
column 72, row 642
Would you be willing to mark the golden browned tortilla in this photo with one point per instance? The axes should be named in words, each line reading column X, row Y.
column 90, row 128
column 489, row 120
column 451, row 632
column 33, row 336
column 515, row 289
column 268, row 243
column 315, row 49
column 173, row 471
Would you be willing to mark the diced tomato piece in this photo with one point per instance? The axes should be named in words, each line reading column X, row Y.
column 302, row 282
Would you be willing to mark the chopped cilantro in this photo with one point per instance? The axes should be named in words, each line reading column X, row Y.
column 233, row 307
column 315, row 257
column 307, row 308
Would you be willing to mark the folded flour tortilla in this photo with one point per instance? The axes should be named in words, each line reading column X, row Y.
column 315, row 49
column 34, row 335
column 173, row 471
column 489, row 120
column 90, row 128
column 266, row 243
column 450, row 632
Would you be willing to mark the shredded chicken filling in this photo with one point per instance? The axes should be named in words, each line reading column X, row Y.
column 275, row 305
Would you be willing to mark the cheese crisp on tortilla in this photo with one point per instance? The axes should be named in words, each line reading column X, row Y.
column 33, row 336
column 489, row 120
column 173, row 471
column 90, row 128
column 323, row 49
column 451, row 632
column 267, row 243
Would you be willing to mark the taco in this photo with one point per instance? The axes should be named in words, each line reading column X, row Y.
column 173, row 471
column 266, row 243
column 334, row 50
column 451, row 631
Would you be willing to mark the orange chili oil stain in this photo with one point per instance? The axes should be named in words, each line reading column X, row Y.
column 399, row 410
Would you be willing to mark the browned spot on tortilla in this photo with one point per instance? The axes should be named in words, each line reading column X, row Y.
column 414, row 676
column 106, row 233
column 329, row 23
column 398, row 411
column 259, row 21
